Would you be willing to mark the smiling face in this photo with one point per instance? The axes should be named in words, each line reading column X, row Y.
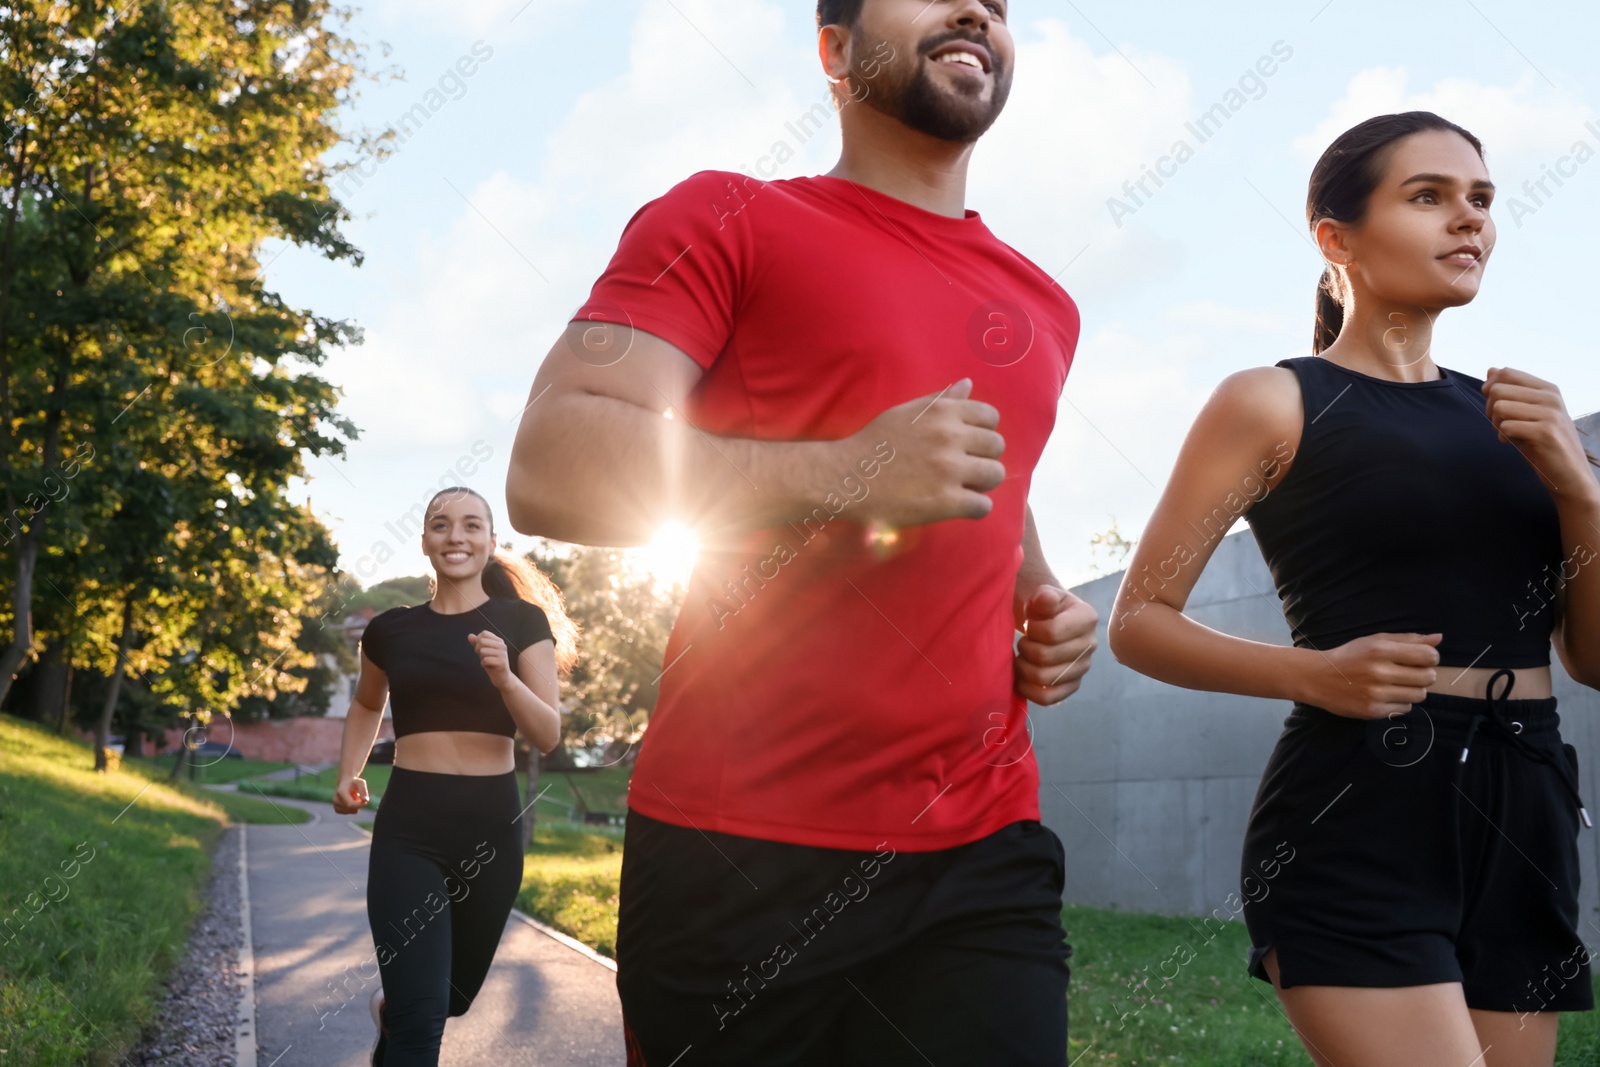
column 457, row 537
column 941, row 67
column 1426, row 235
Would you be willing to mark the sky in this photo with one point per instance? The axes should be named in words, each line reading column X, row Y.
column 549, row 124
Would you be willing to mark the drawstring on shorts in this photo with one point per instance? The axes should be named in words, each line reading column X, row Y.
column 1498, row 720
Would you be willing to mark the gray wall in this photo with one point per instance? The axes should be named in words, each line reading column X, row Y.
column 1149, row 786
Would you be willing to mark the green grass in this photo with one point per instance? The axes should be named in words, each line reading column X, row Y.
column 248, row 809
column 209, row 771
column 605, row 789
column 305, row 789
column 1210, row 1014
column 1124, row 1013
column 602, row 790
column 1579, row 1045
column 101, row 879
column 569, row 881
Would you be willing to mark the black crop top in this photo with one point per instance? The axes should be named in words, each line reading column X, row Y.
column 1403, row 512
column 435, row 679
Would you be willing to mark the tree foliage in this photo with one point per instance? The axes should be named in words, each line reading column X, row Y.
column 156, row 400
column 624, row 618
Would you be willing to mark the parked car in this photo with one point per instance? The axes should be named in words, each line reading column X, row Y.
column 217, row 748
column 382, row 752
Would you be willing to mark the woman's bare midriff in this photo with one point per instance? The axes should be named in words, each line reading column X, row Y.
column 1531, row 683
column 454, row 752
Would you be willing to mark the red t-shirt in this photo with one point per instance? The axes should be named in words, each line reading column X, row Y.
column 825, row 684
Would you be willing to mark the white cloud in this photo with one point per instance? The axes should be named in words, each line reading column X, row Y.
column 1218, row 319
column 451, row 355
column 1079, row 124
column 1132, row 394
column 1514, row 122
column 475, row 15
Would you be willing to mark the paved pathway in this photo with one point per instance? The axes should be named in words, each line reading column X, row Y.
column 543, row 1002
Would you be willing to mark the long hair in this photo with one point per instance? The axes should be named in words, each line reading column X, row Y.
column 1341, row 184
column 514, row 578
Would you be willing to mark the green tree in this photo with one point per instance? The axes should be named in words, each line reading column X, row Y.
column 150, row 152
column 624, row 619
column 1113, row 544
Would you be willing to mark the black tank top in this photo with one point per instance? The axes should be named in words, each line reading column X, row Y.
column 1403, row 512
column 435, row 679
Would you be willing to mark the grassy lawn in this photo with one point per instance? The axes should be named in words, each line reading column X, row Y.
column 1210, row 1014
column 101, row 879
column 569, row 881
column 1124, row 1012
column 248, row 809
column 209, row 771
column 602, row 790
column 308, row 787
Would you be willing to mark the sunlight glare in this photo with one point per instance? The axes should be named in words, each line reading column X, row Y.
column 669, row 557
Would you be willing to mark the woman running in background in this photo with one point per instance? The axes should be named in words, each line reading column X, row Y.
column 1411, row 862
column 464, row 672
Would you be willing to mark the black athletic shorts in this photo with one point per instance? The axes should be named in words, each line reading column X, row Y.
column 1376, row 856
column 736, row 950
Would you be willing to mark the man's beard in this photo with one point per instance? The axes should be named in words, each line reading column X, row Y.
column 948, row 114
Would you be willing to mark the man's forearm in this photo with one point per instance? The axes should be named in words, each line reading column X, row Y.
column 623, row 470
column 1035, row 571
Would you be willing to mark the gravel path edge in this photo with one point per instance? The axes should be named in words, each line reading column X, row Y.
column 195, row 1022
column 244, row 1032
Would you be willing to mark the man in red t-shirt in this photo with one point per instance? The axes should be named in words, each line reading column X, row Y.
column 844, row 383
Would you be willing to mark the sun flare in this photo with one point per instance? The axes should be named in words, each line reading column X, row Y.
column 669, row 557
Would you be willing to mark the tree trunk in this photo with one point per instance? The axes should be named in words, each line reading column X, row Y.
column 183, row 753
column 22, row 592
column 21, row 646
column 102, row 729
column 64, row 709
column 528, row 816
column 50, row 683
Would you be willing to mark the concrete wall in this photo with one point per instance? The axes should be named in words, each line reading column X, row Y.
column 1149, row 786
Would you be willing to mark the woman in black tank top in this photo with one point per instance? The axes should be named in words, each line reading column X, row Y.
column 1410, row 868
column 464, row 673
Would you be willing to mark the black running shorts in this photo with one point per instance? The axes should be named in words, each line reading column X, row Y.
column 735, row 950
column 1377, row 856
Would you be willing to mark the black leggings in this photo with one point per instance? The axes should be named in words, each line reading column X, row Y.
column 444, row 869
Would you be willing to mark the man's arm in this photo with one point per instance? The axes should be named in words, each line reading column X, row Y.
column 1035, row 571
column 1058, row 628
column 604, row 453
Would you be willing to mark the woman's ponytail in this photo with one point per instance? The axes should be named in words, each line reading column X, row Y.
column 1330, row 312
column 514, row 578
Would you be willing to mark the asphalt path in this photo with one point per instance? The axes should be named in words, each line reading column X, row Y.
column 316, row 970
